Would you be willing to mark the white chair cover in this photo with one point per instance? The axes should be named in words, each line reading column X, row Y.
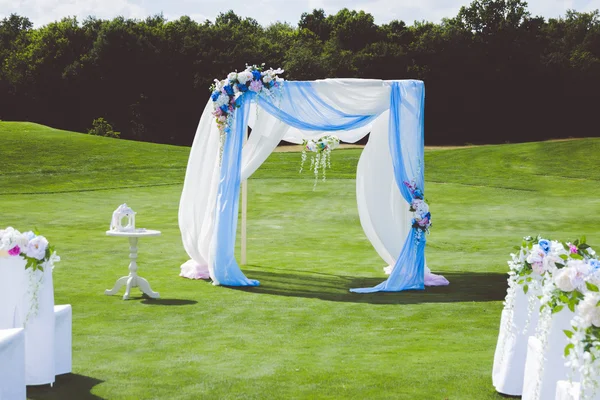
column 63, row 319
column 550, row 358
column 15, row 305
column 12, row 364
column 511, row 349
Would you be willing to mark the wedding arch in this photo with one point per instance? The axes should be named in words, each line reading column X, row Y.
column 390, row 172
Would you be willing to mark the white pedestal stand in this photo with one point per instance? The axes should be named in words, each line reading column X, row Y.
column 133, row 280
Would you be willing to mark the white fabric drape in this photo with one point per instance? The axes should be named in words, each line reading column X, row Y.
column 383, row 212
column 197, row 204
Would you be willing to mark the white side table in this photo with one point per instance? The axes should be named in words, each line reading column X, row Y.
column 133, row 280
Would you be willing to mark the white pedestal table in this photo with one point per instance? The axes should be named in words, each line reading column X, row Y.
column 133, row 280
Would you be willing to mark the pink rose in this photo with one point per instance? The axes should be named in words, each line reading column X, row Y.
column 256, row 86
column 538, row 267
column 15, row 251
column 573, row 249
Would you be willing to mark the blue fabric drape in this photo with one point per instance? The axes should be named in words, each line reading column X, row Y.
column 300, row 106
column 226, row 269
column 407, row 150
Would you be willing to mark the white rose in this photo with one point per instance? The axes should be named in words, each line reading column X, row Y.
column 423, row 208
column 578, row 271
column 311, row 146
column 588, row 310
column 22, row 241
column 37, row 248
column 267, row 79
column 562, row 280
column 10, row 239
column 550, row 261
column 222, row 100
column 557, row 248
column 244, row 77
column 232, row 76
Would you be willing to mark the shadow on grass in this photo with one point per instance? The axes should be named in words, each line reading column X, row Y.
column 464, row 287
column 68, row 386
column 168, row 302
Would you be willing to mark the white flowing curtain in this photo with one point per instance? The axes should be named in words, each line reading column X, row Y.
column 384, row 214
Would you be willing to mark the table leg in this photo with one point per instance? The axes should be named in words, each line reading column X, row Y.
column 133, row 280
column 118, row 285
column 145, row 288
column 130, row 283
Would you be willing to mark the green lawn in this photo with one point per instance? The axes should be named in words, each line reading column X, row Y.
column 301, row 334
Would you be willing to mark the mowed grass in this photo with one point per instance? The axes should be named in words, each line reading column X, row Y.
column 301, row 334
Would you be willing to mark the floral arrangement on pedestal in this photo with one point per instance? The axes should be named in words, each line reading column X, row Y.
column 37, row 253
column 321, row 159
column 226, row 93
column 34, row 248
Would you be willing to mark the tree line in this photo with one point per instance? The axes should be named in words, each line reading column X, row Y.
column 493, row 73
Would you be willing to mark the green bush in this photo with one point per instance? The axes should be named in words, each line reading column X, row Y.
column 101, row 127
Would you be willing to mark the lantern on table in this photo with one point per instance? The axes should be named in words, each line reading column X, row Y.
column 121, row 214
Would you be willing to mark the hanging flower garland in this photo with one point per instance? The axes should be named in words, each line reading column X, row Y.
column 583, row 350
column 321, row 159
column 37, row 253
column 226, row 94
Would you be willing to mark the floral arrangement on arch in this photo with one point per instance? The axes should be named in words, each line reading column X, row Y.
column 226, row 93
column 421, row 216
column 321, row 158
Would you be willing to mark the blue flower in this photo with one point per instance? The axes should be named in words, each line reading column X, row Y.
column 418, row 194
column 242, row 87
column 595, row 264
column 225, row 109
column 228, row 89
column 544, row 245
column 256, row 75
column 428, row 215
column 215, row 95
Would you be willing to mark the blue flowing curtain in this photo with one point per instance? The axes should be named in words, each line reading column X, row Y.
column 407, row 149
column 301, row 107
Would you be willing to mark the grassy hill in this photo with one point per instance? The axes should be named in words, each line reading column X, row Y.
column 300, row 334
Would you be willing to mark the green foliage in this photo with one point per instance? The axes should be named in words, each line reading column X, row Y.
column 100, row 127
column 149, row 76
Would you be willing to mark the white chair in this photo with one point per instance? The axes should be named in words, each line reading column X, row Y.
column 511, row 350
column 63, row 320
column 12, row 364
column 549, row 360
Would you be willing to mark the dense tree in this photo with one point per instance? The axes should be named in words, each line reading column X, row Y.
column 493, row 73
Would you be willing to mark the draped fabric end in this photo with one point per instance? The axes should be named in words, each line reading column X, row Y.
column 226, row 270
column 406, row 145
column 349, row 107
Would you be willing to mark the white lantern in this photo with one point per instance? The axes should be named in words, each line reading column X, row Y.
column 123, row 212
